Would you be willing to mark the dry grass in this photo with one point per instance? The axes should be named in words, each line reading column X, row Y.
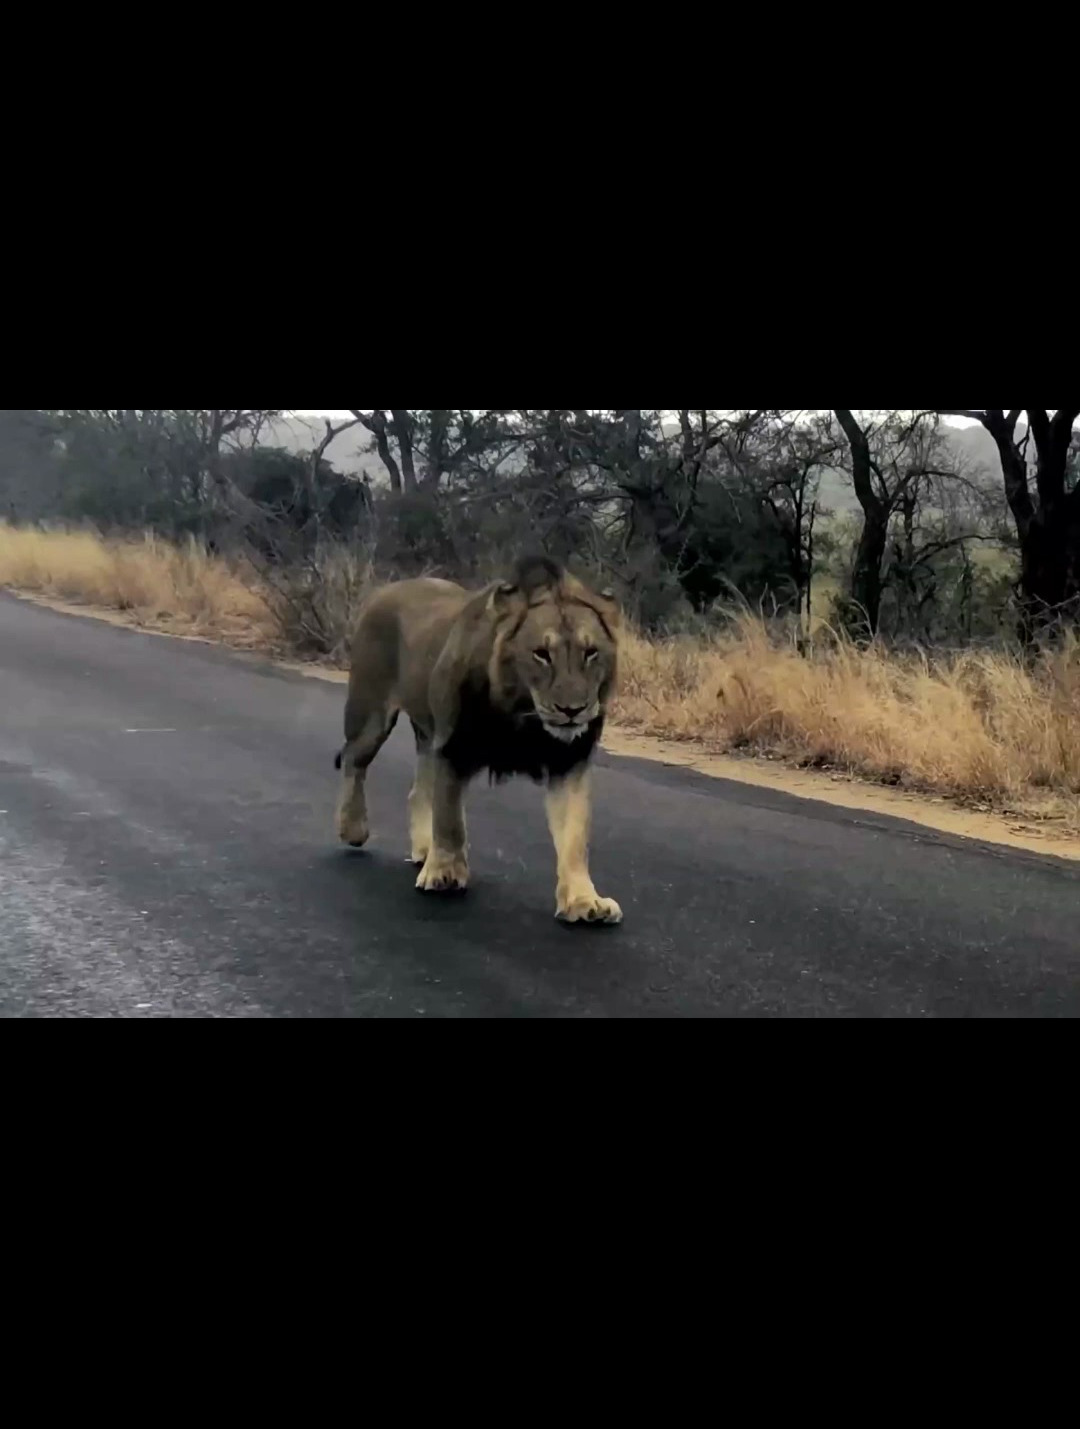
column 180, row 589
column 977, row 726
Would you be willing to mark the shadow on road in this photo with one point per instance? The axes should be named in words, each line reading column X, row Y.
column 505, row 950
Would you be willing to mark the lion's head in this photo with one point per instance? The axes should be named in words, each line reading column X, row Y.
column 556, row 645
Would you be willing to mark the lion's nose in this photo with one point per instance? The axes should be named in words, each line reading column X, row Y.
column 571, row 711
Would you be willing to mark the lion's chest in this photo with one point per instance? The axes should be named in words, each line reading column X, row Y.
column 512, row 746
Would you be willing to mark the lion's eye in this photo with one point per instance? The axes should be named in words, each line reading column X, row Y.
column 591, row 655
column 544, row 656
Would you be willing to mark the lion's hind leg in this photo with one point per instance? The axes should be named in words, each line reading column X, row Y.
column 446, row 869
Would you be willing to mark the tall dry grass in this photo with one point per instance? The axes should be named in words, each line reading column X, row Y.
column 178, row 588
column 982, row 726
column 976, row 725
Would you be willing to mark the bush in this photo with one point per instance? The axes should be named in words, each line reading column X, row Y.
column 315, row 603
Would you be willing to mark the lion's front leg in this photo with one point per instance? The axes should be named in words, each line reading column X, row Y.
column 421, row 808
column 569, row 806
column 447, row 866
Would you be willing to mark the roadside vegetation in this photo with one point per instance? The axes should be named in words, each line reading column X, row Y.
column 987, row 727
column 998, row 727
column 160, row 585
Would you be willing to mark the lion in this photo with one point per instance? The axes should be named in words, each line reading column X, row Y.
column 515, row 680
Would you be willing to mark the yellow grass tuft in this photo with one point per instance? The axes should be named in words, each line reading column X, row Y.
column 182, row 589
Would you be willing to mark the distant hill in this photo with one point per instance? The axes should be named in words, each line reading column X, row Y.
column 973, row 450
column 979, row 448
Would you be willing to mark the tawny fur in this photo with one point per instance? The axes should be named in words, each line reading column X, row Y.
column 516, row 678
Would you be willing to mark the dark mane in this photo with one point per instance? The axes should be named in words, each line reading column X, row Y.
column 537, row 573
column 514, row 744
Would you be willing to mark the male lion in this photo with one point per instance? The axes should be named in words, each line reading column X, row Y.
column 516, row 680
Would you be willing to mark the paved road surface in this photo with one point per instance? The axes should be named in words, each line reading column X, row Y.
column 193, row 872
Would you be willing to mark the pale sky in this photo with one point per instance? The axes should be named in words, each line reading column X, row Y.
column 335, row 412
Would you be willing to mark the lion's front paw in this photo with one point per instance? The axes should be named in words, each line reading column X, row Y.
column 589, row 908
column 442, row 874
column 353, row 831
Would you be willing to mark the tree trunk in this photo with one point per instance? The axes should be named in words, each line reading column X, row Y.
column 216, row 485
column 404, row 432
column 377, row 426
column 1048, row 531
column 1049, row 582
column 866, row 581
column 438, row 460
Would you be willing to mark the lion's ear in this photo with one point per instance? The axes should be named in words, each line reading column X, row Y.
column 608, row 609
column 504, row 596
column 608, row 597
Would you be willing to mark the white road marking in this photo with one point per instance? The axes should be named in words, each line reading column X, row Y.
column 151, row 731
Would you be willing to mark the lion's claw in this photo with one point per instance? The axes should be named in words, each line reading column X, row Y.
column 444, row 876
column 594, row 910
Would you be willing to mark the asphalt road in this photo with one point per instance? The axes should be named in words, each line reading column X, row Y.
column 166, row 849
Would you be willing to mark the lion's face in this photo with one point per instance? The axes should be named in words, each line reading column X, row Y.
column 561, row 652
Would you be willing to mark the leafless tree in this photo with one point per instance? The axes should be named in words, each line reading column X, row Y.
column 1047, row 518
column 891, row 454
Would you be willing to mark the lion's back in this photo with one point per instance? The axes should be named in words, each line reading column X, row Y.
column 392, row 615
column 400, row 634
